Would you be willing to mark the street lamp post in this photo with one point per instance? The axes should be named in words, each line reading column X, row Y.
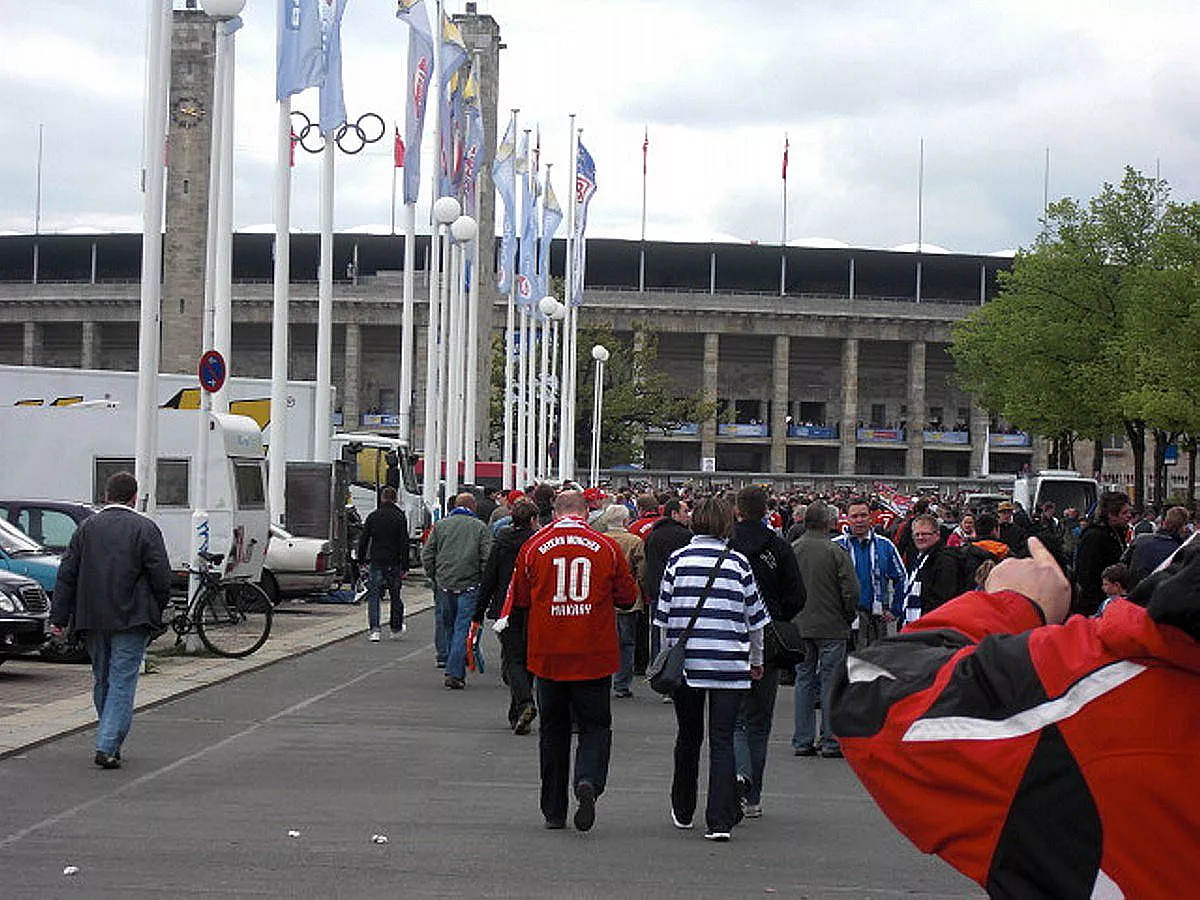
column 555, row 410
column 547, row 306
column 463, row 229
column 600, row 355
column 445, row 211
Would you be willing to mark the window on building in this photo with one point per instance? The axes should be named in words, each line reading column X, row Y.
column 1115, row 443
column 748, row 410
column 936, row 416
column 878, row 415
column 387, row 401
column 812, row 414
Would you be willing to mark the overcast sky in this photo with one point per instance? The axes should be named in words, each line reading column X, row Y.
column 855, row 84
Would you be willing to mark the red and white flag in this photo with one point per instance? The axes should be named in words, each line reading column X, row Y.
column 398, row 151
column 785, row 157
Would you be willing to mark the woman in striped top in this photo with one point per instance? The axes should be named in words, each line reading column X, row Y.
column 724, row 652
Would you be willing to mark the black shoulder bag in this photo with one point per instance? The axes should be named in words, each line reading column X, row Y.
column 665, row 672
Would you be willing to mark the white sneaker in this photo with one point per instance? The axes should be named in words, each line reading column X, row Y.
column 679, row 823
column 751, row 810
column 374, row 635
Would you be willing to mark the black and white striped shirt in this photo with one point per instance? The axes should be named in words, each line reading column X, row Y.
column 731, row 620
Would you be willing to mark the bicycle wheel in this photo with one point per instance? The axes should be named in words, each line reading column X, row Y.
column 233, row 619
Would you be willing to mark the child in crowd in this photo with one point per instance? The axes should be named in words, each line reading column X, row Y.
column 1114, row 580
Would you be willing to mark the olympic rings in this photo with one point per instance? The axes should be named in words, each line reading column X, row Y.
column 350, row 138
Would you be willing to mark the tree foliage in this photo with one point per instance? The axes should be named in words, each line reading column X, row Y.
column 1095, row 328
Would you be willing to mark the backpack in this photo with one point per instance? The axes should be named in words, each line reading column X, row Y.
column 967, row 560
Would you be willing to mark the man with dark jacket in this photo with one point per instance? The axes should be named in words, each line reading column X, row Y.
column 1101, row 545
column 497, row 573
column 824, row 623
column 665, row 536
column 932, row 574
column 384, row 545
column 1149, row 550
column 782, row 589
column 115, row 581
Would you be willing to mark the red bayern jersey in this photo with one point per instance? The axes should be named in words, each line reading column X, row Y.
column 572, row 578
column 641, row 527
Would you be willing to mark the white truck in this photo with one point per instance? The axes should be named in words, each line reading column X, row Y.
column 1065, row 488
column 68, row 451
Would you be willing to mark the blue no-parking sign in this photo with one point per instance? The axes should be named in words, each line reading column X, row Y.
column 212, row 371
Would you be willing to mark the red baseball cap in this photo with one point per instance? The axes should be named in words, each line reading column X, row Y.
column 513, row 497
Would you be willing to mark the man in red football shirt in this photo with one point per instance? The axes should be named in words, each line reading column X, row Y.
column 571, row 579
column 648, row 512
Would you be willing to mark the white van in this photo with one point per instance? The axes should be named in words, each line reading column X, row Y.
column 1065, row 488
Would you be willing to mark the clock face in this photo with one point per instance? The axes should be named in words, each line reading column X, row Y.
column 187, row 112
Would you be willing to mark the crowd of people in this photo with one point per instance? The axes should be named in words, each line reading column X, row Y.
column 585, row 588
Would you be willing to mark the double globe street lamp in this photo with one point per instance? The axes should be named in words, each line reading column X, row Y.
column 600, row 354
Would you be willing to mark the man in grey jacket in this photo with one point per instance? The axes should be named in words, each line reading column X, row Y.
column 824, row 623
column 454, row 557
column 115, row 581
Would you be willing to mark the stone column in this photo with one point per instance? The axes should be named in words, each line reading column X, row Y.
column 32, row 351
column 708, row 428
column 351, row 379
column 916, row 410
column 779, row 404
column 89, row 354
column 849, row 426
column 978, row 426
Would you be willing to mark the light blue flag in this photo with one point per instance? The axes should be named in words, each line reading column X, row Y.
column 585, row 187
column 474, row 155
column 333, row 103
column 299, row 62
column 420, row 71
column 450, row 170
column 552, row 216
column 526, row 270
column 503, row 171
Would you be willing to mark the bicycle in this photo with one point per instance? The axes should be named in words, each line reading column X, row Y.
column 231, row 618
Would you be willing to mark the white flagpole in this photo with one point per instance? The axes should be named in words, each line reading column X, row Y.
column 573, row 319
column 510, row 323
column 395, row 134
column 783, row 226
column 37, row 203
column 429, row 488
column 524, row 372
column 322, row 413
column 985, row 464
column 223, row 289
column 407, row 327
column 473, row 354
column 444, row 398
column 158, row 62
column 454, row 359
column 920, row 214
column 642, row 253
column 277, row 450
column 543, row 399
column 566, row 466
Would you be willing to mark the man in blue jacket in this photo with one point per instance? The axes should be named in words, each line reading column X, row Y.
column 880, row 572
column 115, row 581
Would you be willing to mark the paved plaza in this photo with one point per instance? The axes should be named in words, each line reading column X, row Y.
column 278, row 780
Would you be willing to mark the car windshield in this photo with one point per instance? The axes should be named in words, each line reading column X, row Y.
column 15, row 542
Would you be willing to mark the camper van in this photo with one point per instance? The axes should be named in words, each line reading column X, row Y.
column 1065, row 488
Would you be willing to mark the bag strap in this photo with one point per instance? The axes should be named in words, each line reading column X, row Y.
column 712, row 576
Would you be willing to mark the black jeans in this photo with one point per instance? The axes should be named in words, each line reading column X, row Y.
column 590, row 704
column 513, row 643
column 722, row 811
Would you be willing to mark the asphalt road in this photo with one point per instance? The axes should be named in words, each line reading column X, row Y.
column 361, row 739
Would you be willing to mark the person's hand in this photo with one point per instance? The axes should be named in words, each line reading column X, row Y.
column 1040, row 578
column 57, row 630
column 500, row 624
column 756, row 673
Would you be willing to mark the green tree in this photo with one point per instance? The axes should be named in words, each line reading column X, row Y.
column 1051, row 353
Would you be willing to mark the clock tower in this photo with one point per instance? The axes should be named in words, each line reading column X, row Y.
column 189, row 141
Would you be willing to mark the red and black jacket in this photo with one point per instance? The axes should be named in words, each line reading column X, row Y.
column 1054, row 761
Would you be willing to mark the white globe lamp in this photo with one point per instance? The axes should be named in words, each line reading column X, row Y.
column 464, row 229
column 223, row 9
column 446, row 210
column 600, row 353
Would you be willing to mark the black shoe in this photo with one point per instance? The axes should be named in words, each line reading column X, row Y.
column 787, row 677
column 585, row 816
column 555, row 824
column 743, row 787
column 809, row 750
column 831, row 753
column 454, row 684
column 107, row 761
column 525, row 719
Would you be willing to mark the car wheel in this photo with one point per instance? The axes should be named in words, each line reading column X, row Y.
column 270, row 587
column 70, row 650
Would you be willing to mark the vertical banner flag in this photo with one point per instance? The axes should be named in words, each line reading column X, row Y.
column 333, row 102
column 453, row 83
column 552, row 216
column 474, row 153
column 398, row 151
column 299, row 62
column 785, row 157
column 525, row 264
column 502, row 176
column 585, row 187
column 645, row 150
column 420, row 71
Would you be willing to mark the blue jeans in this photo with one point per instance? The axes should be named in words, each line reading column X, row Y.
column 627, row 638
column 457, row 609
column 380, row 576
column 116, row 663
column 752, row 731
column 822, row 659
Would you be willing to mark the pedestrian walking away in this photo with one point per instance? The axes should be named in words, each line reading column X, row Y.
column 453, row 557
column 113, row 584
column 713, row 583
column 1040, row 755
column 613, row 522
column 383, row 545
column 572, row 579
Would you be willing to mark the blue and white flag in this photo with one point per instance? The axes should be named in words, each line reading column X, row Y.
column 453, row 122
column 503, row 176
column 333, row 102
column 552, row 216
column 420, row 71
column 474, row 154
column 526, row 265
column 585, row 187
column 299, row 60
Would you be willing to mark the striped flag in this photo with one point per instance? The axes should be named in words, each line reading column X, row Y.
column 420, row 71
